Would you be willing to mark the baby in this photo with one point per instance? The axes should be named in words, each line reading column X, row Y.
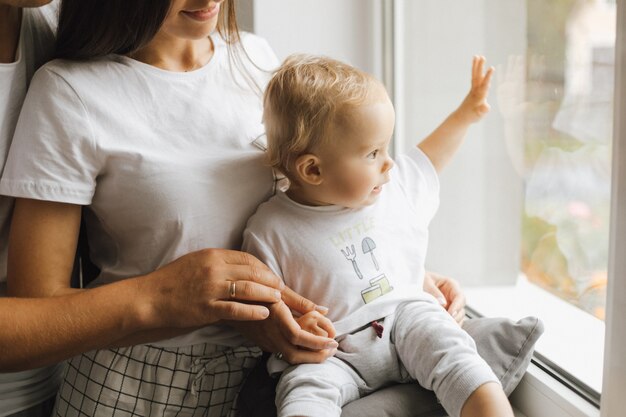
column 351, row 233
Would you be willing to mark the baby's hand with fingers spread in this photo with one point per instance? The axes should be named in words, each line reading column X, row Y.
column 475, row 105
column 317, row 324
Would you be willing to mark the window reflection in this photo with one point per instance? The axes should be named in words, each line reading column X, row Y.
column 557, row 102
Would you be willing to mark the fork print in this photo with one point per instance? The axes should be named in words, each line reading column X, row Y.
column 350, row 255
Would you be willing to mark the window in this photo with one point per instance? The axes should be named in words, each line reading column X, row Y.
column 525, row 217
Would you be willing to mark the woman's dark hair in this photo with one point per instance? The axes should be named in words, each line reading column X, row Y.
column 95, row 28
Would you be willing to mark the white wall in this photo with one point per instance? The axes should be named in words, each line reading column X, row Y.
column 345, row 29
column 476, row 233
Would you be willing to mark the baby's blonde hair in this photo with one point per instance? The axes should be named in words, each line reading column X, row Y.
column 306, row 95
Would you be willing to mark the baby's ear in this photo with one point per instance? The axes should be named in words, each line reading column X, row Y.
column 307, row 169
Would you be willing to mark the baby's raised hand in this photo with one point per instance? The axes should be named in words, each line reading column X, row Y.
column 315, row 323
column 475, row 105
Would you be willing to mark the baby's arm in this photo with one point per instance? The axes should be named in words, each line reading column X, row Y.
column 444, row 141
column 317, row 324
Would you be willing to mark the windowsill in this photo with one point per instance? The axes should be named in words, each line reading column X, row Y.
column 540, row 395
column 573, row 340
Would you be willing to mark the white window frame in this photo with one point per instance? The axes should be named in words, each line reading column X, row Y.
column 614, row 376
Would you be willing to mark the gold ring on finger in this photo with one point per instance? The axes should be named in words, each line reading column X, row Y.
column 232, row 289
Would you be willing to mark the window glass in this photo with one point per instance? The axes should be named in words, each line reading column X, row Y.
column 525, row 204
column 566, row 130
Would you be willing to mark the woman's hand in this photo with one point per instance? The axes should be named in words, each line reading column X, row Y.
column 448, row 292
column 210, row 285
column 281, row 333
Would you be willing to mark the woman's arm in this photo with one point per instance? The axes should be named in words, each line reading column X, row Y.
column 42, row 247
column 41, row 252
column 42, row 331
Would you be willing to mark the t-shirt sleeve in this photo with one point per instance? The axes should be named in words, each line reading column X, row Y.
column 53, row 156
column 419, row 182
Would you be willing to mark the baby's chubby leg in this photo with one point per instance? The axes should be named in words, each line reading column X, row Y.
column 313, row 390
column 488, row 400
column 442, row 357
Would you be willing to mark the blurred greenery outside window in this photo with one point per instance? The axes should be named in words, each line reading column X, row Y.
column 560, row 98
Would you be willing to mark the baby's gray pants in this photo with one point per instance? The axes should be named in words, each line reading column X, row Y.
column 421, row 341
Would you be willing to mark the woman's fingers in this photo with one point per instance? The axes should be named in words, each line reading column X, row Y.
column 212, row 276
column 252, row 268
column 235, row 257
column 236, row 265
column 250, row 291
column 298, row 303
column 230, row 310
column 310, row 341
column 295, row 354
column 259, row 274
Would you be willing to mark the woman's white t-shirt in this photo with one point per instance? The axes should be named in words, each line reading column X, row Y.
column 22, row 390
column 164, row 161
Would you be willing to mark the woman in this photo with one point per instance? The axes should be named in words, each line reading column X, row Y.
column 150, row 124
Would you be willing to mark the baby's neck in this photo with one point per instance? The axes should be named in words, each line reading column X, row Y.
column 301, row 196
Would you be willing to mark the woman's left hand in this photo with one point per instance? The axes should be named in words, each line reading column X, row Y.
column 448, row 292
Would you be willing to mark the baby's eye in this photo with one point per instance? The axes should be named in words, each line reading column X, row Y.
column 373, row 155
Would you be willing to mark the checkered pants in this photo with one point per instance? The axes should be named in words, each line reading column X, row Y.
column 199, row 380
